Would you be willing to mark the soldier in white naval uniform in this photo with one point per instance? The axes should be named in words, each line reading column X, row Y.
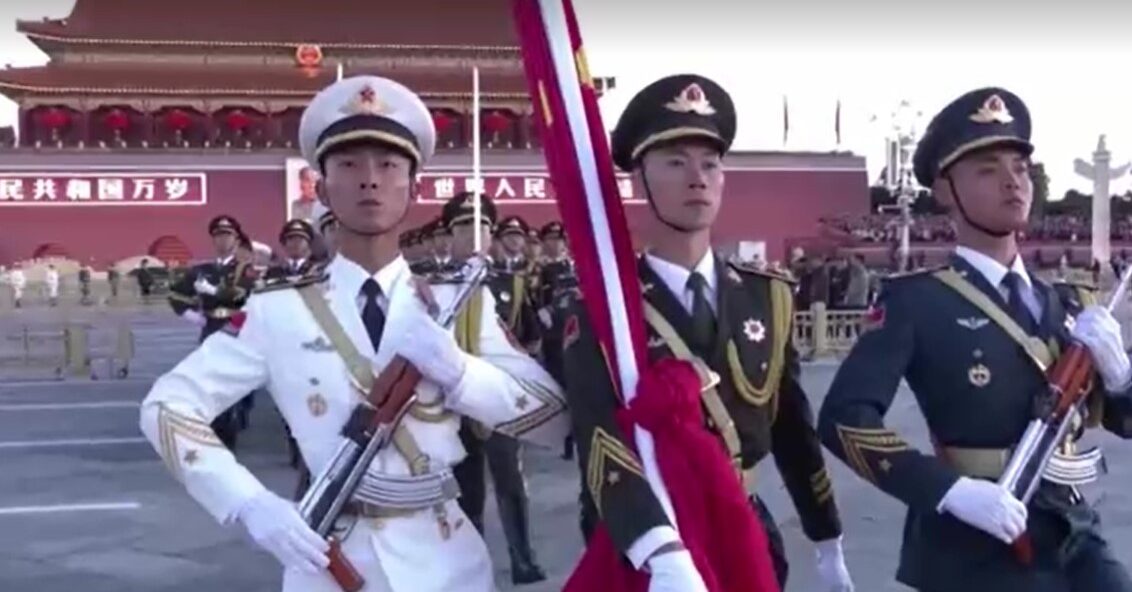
column 369, row 137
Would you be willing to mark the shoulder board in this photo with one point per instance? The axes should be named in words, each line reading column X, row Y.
column 315, row 276
column 750, row 269
column 914, row 273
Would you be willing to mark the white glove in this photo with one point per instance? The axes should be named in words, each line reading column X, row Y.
column 432, row 349
column 203, row 286
column 194, row 317
column 275, row 525
column 831, row 566
column 1100, row 333
column 986, row 506
column 674, row 572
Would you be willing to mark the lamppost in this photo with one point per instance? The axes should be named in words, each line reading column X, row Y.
column 900, row 178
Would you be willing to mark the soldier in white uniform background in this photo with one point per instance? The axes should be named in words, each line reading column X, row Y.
column 305, row 340
column 51, row 278
column 19, row 283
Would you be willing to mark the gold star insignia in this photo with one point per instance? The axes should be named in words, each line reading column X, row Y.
column 885, row 465
column 613, row 478
column 191, row 457
column 522, row 402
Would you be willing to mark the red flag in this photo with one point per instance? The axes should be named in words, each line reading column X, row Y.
column 723, row 535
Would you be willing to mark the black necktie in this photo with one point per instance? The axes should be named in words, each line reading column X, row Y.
column 1014, row 303
column 372, row 315
column 703, row 320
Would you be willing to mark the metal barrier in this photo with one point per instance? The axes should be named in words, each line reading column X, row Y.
column 69, row 350
column 821, row 332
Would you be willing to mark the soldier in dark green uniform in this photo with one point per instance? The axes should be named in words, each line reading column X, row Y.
column 502, row 453
column 729, row 318
column 555, row 279
column 511, row 284
column 296, row 238
column 973, row 340
column 208, row 294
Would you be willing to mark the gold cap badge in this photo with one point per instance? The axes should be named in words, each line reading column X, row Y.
column 993, row 110
column 366, row 102
column 691, row 100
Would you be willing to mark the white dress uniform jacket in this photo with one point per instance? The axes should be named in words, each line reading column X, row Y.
column 280, row 346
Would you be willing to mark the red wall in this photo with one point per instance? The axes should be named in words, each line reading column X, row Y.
column 772, row 204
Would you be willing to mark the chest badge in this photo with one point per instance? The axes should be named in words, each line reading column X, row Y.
column 734, row 276
column 754, row 330
column 505, row 296
column 317, row 405
column 973, row 323
column 319, row 344
column 979, row 375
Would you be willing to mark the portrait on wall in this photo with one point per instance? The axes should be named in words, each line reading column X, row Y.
column 302, row 180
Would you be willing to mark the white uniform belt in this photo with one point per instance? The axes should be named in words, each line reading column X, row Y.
column 407, row 492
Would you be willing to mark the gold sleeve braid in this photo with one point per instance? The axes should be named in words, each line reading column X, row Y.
column 607, row 455
column 173, row 426
column 856, row 442
column 821, row 486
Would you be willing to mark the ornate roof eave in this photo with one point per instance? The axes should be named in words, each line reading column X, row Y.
column 36, row 36
column 260, row 92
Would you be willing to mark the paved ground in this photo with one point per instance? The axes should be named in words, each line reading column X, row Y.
column 85, row 504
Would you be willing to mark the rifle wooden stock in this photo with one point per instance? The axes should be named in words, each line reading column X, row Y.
column 340, row 568
column 392, row 389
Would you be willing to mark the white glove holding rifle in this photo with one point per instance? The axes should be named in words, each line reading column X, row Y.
column 276, row 526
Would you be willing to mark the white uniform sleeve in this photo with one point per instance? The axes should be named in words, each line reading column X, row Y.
column 176, row 414
column 503, row 387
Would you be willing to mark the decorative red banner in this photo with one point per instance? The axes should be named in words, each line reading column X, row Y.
column 504, row 188
column 103, row 189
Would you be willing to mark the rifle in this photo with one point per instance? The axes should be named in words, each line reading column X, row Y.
column 1068, row 380
column 392, row 394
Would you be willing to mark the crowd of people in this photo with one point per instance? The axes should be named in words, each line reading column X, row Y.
column 929, row 228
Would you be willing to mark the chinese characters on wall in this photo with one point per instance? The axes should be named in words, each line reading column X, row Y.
column 103, row 189
column 504, row 188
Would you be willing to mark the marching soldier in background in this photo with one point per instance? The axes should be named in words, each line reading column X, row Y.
column 114, row 277
column 555, row 278
column 443, row 261
column 19, row 282
column 973, row 339
column 503, row 453
column 321, row 342
column 209, row 294
column 327, row 230
column 512, row 284
column 296, row 239
column 729, row 318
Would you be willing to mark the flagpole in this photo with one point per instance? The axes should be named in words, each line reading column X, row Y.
column 477, row 182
